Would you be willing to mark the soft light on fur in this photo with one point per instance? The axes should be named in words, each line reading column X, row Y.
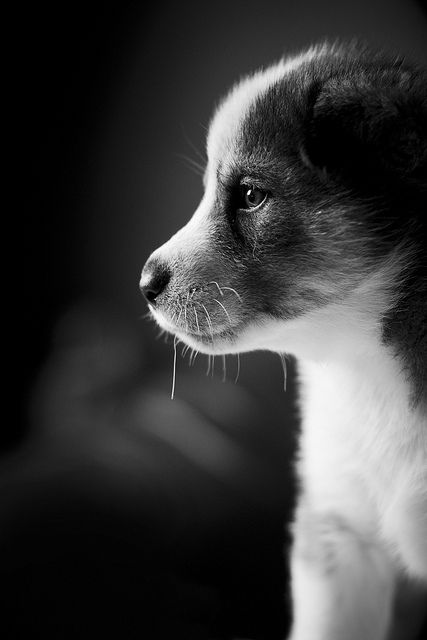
column 329, row 265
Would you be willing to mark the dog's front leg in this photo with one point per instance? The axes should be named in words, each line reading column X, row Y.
column 342, row 584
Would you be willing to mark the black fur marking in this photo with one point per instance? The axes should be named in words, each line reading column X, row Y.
column 361, row 118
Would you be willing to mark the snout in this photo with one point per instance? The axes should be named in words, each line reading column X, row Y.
column 154, row 280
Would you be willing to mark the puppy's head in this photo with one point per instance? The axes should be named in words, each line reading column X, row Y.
column 309, row 165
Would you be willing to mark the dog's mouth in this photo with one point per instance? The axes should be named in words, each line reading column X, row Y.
column 205, row 336
column 207, row 318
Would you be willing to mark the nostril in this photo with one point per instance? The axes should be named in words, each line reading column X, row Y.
column 153, row 282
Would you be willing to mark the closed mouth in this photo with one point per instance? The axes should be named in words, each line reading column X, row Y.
column 184, row 331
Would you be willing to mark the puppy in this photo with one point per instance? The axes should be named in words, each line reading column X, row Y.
column 310, row 240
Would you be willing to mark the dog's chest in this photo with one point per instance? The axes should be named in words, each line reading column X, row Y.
column 359, row 436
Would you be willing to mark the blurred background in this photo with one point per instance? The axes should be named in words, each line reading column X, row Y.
column 121, row 511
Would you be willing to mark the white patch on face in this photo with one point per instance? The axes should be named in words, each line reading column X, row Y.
column 233, row 110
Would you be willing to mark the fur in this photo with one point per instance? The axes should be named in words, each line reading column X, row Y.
column 331, row 267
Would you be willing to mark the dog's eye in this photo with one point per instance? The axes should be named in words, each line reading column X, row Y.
column 252, row 197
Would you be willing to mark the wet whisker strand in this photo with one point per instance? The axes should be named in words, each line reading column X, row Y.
column 175, row 340
column 285, row 370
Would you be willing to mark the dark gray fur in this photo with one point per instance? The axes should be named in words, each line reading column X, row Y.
column 361, row 119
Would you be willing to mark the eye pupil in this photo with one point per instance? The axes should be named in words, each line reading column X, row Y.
column 253, row 197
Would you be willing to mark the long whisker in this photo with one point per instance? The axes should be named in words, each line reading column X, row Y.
column 284, row 367
column 213, row 366
column 224, row 368
column 175, row 340
column 238, row 368
column 234, row 291
column 209, row 365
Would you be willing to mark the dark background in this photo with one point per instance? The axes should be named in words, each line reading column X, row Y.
column 122, row 511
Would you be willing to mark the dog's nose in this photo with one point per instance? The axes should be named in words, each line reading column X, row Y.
column 154, row 279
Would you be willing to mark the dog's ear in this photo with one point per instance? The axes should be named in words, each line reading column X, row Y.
column 370, row 127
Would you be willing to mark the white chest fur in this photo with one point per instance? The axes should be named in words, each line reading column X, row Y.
column 364, row 451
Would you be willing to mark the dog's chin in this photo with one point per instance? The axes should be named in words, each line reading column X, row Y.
column 219, row 342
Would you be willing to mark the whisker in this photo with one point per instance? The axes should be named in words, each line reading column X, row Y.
column 185, row 349
column 190, row 357
column 238, row 368
column 197, row 319
column 209, row 365
column 234, row 291
column 284, row 367
column 193, row 356
column 208, row 318
column 213, row 366
column 225, row 310
column 219, row 288
column 175, row 340
column 224, row 368
column 192, row 164
column 192, row 145
column 179, row 315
